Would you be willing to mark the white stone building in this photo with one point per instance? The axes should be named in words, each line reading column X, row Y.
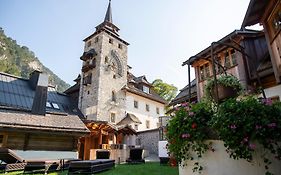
column 107, row 90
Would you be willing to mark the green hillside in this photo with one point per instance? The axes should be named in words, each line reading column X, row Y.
column 20, row 61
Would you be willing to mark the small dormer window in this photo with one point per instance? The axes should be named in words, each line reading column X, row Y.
column 146, row 89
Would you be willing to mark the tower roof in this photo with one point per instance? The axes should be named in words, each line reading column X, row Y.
column 108, row 16
column 107, row 26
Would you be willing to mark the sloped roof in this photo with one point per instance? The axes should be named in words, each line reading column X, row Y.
column 129, row 117
column 135, row 86
column 184, row 94
column 19, row 120
column 151, row 96
column 16, row 100
column 228, row 38
column 254, row 12
column 141, row 79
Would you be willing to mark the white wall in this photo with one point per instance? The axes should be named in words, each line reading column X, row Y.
column 141, row 112
column 273, row 91
column 219, row 163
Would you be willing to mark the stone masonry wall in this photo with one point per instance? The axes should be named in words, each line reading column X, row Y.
column 149, row 140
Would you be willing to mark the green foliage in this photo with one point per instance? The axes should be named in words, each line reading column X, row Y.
column 188, row 130
column 165, row 90
column 15, row 59
column 248, row 123
column 224, row 80
column 243, row 125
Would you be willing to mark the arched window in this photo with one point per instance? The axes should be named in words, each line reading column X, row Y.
column 113, row 97
column 106, row 59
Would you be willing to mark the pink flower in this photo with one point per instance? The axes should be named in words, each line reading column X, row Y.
column 233, row 126
column 186, row 135
column 271, row 125
column 252, row 146
column 258, row 127
column 185, row 104
column 245, row 140
column 177, row 108
column 267, row 101
column 191, row 113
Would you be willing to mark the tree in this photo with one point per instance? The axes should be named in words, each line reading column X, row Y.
column 165, row 90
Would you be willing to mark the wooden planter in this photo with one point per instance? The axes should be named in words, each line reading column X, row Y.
column 224, row 92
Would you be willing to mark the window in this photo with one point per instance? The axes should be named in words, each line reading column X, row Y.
column 106, row 59
column 119, row 46
column 147, row 123
column 110, row 41
column 146, row 89
column 136, row 104
column 136, row 127
column 157, row 110
column 219, row 68
column 89, row 43
column 204, row 71
column 207, row 70
column 48, row 105
column 112, row 117
column 201, row 73
column 93, row 63
column 227, row 63
column 147, row 107
column 96, row 39
column 113, row 96
column 55, row 105
column 233, row 57
column 87, row 79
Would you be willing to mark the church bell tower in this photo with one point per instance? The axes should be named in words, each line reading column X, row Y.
column 104, row 73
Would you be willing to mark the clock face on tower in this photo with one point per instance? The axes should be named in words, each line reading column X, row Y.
column 115, row 63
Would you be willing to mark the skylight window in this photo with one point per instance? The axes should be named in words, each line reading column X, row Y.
column 48, row 105
column 56, row 106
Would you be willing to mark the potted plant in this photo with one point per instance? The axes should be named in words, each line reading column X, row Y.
column 228, row 86
column 187, row 132
column 247, row 142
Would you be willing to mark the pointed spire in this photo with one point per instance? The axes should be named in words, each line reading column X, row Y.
column 108, row 16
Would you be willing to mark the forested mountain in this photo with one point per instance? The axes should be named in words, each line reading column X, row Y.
column 20, row 61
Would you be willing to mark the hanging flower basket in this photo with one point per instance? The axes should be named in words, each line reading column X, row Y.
column 224, row 92
column 228, row 86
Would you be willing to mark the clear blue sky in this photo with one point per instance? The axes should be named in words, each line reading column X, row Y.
column 162, row 33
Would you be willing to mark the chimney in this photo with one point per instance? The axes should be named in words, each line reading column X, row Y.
column 39, row 83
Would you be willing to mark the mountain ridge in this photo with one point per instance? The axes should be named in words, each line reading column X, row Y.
column 20, row 61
